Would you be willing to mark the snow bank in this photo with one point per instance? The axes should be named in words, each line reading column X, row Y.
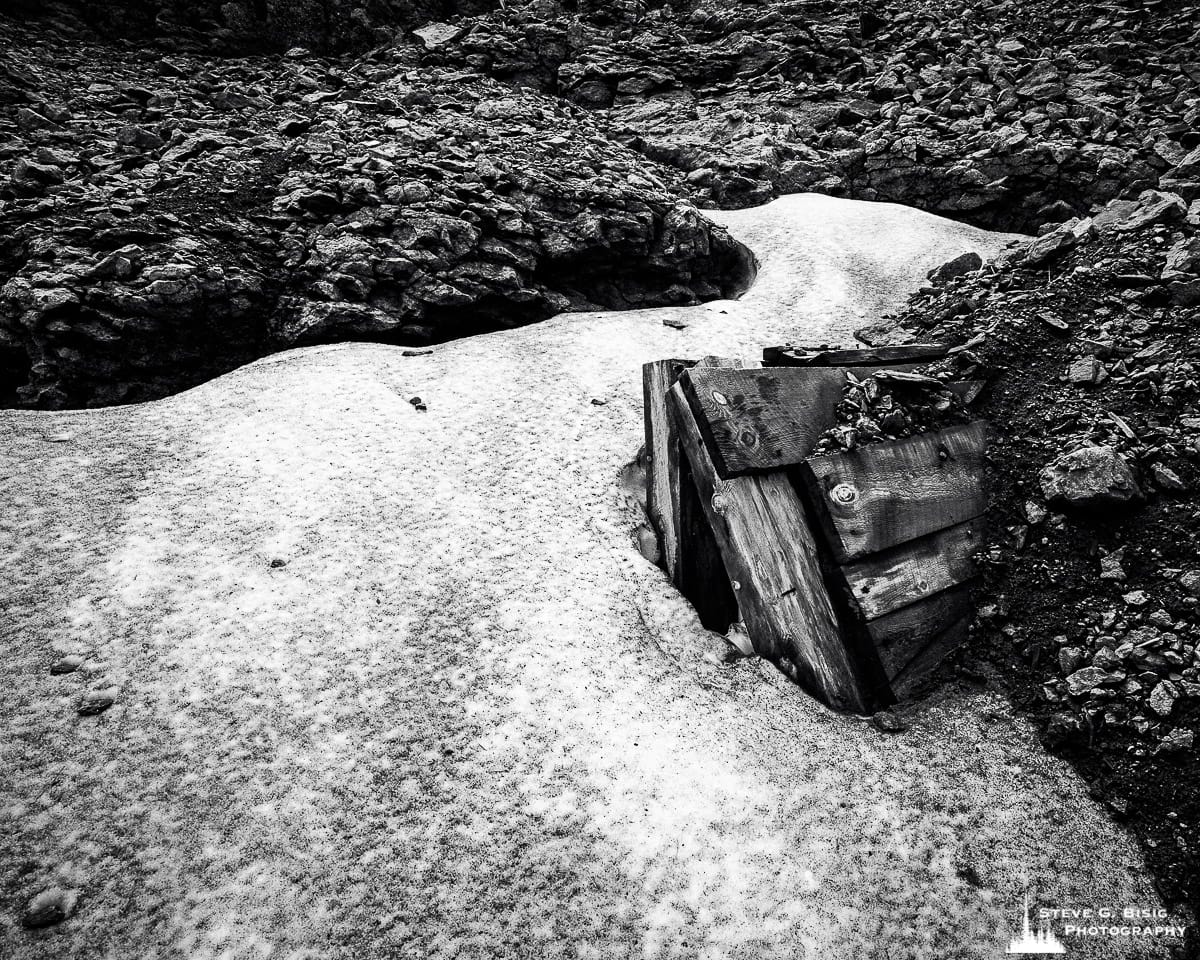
column 398, row 683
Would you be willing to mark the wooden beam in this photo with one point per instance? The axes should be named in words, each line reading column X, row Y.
column 916, row 673
column 661, row 467
column 913, row 353
column 771, row 557
column 883, row 494
column 689, row 550
column 895, row 578
column 900, row 635
column 908, row 354
column 761, row 420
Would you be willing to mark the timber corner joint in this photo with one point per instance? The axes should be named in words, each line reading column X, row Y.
column 852, row 572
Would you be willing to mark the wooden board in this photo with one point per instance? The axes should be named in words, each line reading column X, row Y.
column 895, row 578
column 661, row 467
column 899, row 636
column 913, row 353
column 760, row 420
column 770, row 556
column 912, row 678
column 883, row 494
column 689, row 550
column 700, row 574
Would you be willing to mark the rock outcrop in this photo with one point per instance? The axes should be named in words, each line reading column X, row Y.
column 1007, row 115
column 179, row 218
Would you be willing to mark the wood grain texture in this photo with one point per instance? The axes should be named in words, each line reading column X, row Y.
column 700, row 574
column 917, row 672
column 661, row 467
column 764, row 419
column 899, row 636
column 909, row 354
column 883, row 494
column 770, row 555
column 689, row 549
column 892, row 579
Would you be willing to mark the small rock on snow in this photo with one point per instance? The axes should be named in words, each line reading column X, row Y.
column 889, row 722
column 49, row 907
column 96, row 701
column 68, row 664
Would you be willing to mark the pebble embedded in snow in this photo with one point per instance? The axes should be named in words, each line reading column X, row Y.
column 888, row 721
column 49, row 907
column 96, row 701
column 68, row 664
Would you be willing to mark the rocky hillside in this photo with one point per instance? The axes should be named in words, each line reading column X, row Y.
column 1007, row 114
column 184, row 187
column 1087, row 339
column 169, row 212
column 167, row 217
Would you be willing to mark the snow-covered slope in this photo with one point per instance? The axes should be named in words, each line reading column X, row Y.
column 394, row 683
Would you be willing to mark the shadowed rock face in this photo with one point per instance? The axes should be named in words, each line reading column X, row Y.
column 242, row 26
column 180, row 218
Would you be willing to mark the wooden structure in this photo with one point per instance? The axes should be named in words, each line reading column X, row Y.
column 851, row 571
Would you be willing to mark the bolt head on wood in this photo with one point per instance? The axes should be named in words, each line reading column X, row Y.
column 843, row 493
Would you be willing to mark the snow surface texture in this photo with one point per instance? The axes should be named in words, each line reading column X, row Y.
column 394, row 683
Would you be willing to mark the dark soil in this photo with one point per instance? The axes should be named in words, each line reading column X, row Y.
column 1049, row 608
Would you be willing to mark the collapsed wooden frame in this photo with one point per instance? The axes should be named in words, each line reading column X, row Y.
column 851, row 571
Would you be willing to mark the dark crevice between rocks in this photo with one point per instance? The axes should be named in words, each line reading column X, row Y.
column 77, row 356
column 602, row 280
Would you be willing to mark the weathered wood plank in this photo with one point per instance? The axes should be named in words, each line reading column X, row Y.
column 917, row 672
column 770, row 556
column 913, row 353
column 763, row 419
column 661, row 467
column 899, row 636
column 892, row 579
column 884, row 494
column 689, row 550
column 700, row 574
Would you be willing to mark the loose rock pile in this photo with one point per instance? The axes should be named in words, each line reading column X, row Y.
column 1008, row 114
column 1087, row 338
column 891, row 405
column 177, row 217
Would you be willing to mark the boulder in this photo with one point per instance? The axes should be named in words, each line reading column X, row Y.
column 1150, row 208
column 963, row 264
column 1091, row 478
column 1050, row 246
column 1084, row 681
column 1183, row 260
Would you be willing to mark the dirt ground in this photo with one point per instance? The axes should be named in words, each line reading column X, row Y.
column 398, row 683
